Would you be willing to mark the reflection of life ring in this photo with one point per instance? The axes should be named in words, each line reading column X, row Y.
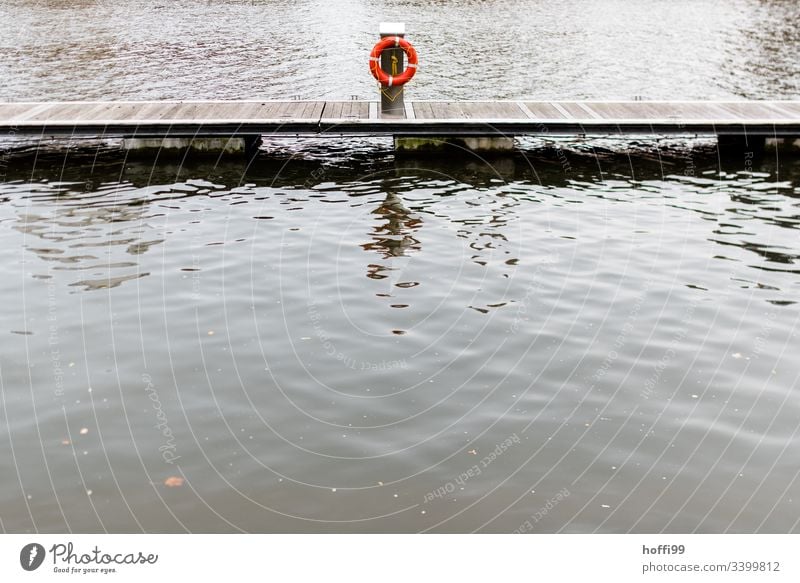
column 375, row 61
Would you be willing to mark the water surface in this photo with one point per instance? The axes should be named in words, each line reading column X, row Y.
column 590, row 336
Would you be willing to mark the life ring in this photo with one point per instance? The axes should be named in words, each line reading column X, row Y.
column 375, row 61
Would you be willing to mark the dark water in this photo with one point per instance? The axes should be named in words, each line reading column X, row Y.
column 330, row 339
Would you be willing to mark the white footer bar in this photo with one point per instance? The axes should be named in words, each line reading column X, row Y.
column 399, row 558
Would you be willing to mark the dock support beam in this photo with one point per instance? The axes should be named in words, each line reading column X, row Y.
column 452, row 144
column 784, row 145
column 240, row 145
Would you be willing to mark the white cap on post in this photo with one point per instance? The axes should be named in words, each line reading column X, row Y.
column 392, row 28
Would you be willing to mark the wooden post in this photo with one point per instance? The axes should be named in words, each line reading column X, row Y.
column 393, row 61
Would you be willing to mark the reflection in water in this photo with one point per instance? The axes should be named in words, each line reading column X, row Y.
column 393, row 236
column 87, row 230
column 539, row 301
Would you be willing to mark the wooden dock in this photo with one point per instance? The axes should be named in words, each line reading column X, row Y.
column 152, row 119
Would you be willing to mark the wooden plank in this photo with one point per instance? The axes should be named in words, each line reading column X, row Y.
column 256, row 110
column 354, row 111
column 166, row 113
column 39, row 112
column 447, row 110
column 785, row 110
column 686, row 111
column 302, row 108
column 469, row 110
column 295, row 110
column 363, row 110
column 9, row 111
column 453, row 110
column 791, row 107
column 507, row 110
column 228, row 111
column 180, row 111
column 144, row 110
column 153, row 111
column 271, row 110
column 562, row 110
column 745, row 111
column 280, row 111
column 116, row 111
column 47, row 112
column 720, row 111
column 474, row 110
column 612, row 111
column 319, row 106
column 736, row 111
column 431, row 111
column 85, row 112
column 631, row 116
column 308, row 110
column 713, row 111
column 588, row 110
column 660, row 111
column 545, row 110
column 253, row 110
column 574, row 110
column 422, row 110
column 333, row 110
column 217, row 110
column 631, row 110
column 528, row 113
column 209, row 111
column 35, row 112
column 478, row 110
column 276, row 110
column 493, row 110
column 131, row 111
column 223, row 110
column 141, row 111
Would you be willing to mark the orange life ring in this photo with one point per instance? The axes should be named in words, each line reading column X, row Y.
column 375, row 61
